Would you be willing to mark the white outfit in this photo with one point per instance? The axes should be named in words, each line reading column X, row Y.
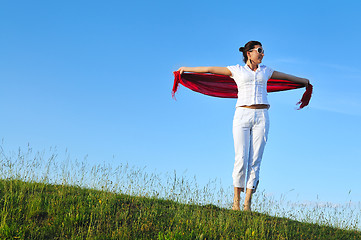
column 252, row 85
column 250, row 126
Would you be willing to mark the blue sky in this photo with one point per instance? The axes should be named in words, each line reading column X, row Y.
column 95, row 77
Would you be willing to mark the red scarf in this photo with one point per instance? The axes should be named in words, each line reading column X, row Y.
column 225, row 87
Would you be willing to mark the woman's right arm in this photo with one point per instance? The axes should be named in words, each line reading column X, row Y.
column 214, row 70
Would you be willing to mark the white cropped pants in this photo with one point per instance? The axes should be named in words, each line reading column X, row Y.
column 250, row 132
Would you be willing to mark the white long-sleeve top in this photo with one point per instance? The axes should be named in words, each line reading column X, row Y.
column 252, row 85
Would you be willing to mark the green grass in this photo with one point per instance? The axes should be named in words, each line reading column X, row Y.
column 44, row 198
column 45, row 211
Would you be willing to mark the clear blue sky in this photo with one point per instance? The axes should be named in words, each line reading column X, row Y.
column 95, row 77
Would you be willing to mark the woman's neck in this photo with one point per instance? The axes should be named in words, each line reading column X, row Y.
column 253, row 66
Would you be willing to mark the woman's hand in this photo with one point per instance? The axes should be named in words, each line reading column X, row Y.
column 307, row 82
column 181, row 70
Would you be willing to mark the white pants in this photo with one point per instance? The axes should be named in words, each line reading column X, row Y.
column 250, row 132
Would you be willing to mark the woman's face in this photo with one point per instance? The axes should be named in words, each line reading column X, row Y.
column 255, row 54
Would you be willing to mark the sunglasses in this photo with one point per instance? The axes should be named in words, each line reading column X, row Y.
column 259, row 50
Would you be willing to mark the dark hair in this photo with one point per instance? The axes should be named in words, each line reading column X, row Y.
column 250, row 45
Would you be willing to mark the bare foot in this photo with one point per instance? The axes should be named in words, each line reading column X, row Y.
column 236, row 205
column 247, row 208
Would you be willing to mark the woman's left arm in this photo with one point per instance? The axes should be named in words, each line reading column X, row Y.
column 284, row 76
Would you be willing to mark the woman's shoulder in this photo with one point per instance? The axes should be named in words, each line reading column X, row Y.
column 267, row 70
column 236, row 67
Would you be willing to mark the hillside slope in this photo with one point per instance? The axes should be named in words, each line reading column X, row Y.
column 44, row 211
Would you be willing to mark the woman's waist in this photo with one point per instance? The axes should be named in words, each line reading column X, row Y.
column 256, row 106
column 254, row 103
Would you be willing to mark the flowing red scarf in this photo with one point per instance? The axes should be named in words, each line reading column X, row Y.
column 225, row 87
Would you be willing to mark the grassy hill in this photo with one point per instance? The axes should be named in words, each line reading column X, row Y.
column 31, row 210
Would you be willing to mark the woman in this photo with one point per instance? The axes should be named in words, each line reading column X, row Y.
column 251, row 121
